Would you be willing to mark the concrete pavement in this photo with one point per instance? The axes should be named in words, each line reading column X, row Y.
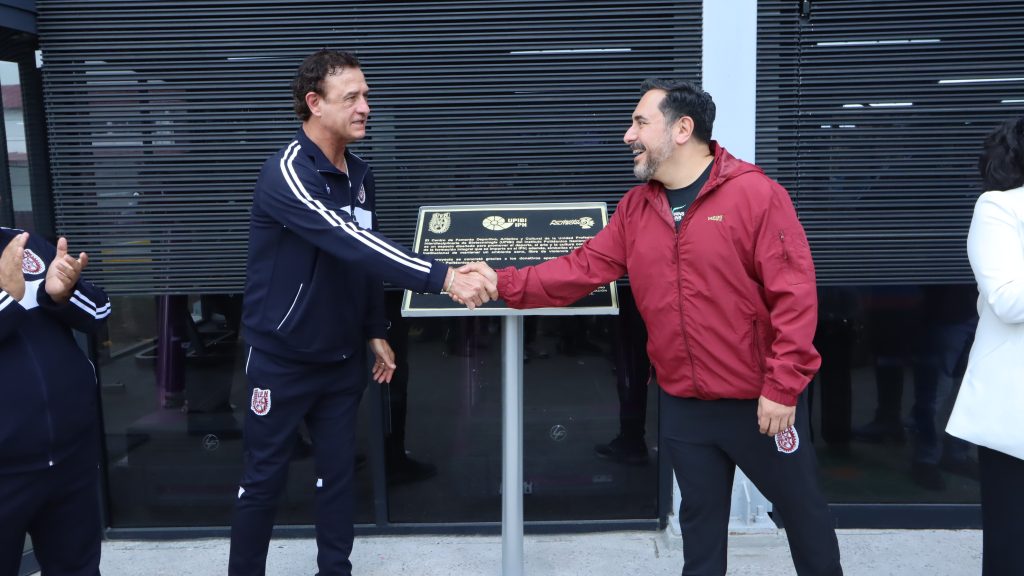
column 865, row 553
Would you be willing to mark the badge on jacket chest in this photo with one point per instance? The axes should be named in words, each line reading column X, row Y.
column 787, row 441
column 260, row 401
column 32, row 264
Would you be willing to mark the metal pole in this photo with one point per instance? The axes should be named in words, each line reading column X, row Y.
column 512, row 448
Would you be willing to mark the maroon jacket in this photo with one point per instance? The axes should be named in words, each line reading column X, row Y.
column 729, row 302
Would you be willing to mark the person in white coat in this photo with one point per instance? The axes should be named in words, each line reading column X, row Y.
column 989, row 409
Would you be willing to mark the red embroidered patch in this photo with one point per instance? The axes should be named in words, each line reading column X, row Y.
column 787, row 441
column 31, row 264
column 260, row 401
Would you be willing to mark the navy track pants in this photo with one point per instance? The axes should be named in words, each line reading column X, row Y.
column 283, row 393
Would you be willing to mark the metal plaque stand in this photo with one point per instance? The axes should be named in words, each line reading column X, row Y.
column 466, row 227
column 512, row 447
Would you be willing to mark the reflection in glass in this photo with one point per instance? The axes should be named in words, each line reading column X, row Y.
column 892, row 360
column 174, row 398
column 452, row 420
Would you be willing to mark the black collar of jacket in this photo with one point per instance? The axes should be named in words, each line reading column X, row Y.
column 357, row 167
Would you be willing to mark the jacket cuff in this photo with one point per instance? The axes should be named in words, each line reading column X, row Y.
column 8, row 295
column 45, row 301
column 505, row 283
column 784, row 398
column 438, row 274
column 377, row 330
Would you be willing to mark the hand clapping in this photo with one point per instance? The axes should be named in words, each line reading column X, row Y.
column 12, row 280
column 63, row 272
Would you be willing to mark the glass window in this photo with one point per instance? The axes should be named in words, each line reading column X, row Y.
column 174, row 401
column 444, row 442
column 892, row 361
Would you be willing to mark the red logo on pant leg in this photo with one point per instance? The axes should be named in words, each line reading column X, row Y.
column 787, row 441
column 260, row 401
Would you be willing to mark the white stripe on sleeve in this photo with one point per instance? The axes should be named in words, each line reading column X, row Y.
column 79, row 299
column 367, row 239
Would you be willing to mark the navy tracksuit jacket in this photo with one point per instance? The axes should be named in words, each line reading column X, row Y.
column 48, row 384
column 313, row 289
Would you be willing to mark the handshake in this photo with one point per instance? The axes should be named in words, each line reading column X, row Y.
column 472, row 285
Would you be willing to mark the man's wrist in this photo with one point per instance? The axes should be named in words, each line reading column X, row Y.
column 449, row 281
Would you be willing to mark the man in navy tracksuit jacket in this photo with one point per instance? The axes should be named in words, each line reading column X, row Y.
column 313, row 301
column 49, row 418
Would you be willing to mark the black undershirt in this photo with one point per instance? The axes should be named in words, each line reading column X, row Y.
column 679, row 199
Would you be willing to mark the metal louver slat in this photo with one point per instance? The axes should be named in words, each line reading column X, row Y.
column 160, row 114
column 872, row 115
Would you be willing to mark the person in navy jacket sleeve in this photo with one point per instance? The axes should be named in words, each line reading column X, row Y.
column 314, row 301
column 49, row 417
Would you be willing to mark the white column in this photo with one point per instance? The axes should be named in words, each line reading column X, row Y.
column 729, row 72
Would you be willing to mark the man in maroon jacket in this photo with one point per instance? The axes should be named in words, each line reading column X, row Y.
column 722, row 274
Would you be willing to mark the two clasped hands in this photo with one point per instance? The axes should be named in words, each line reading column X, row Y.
column 472, row 285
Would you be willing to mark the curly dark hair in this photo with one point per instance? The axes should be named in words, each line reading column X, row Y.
column 312, row 72
column 1002, row 162
column 684, row 98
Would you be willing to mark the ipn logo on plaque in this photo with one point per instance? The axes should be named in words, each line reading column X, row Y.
column 500, row 223
column 496, row 223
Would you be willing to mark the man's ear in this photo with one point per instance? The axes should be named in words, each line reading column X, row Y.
column 313, row 102
column 682, row 131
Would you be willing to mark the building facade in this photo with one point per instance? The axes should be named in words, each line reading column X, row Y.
column 137, row 129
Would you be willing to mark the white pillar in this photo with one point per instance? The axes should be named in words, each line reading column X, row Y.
column 729, row 72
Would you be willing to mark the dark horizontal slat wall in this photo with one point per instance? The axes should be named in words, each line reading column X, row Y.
column 160, row 113
column 885, row 191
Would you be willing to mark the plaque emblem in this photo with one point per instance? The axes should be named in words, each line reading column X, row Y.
column 787, row 441
column 32, row 264
column 496, row 223
column 440, row 222
column 260, row 401
column 585, row 222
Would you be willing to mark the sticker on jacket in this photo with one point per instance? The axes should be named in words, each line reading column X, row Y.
column 787, row 441
column 260, row 401
column 32, row 264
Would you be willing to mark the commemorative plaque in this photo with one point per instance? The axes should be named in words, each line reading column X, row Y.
column 507, row 235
